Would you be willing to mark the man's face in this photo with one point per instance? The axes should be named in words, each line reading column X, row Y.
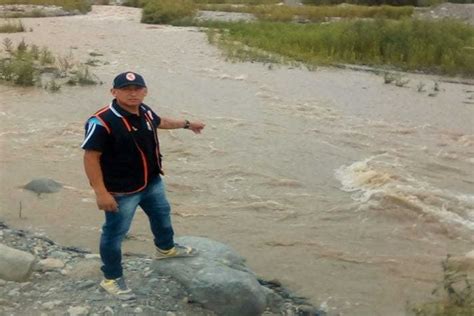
column 130, row 95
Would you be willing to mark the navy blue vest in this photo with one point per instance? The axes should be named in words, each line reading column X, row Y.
column 123, row 163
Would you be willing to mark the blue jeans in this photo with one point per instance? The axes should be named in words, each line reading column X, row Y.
column 155, row 205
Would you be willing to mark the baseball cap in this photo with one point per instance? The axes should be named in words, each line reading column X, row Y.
column 127, row 79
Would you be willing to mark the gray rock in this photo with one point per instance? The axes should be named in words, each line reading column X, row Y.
column 78, row 310
column 51, row 305
column 138, row 310
column 86, row 269
column 108, row 311
column 15, row 265
column 59, row 254
column 92, row 256
column 43, row 185
column 49, row 264
column 86, row 284
column 217, row 278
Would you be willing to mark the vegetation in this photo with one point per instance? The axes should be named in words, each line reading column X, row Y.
column 433, row 46
column 10, row 26
column 70, row 5
column 457, row 297
column 167, row 11
column 248, row 2
column 26, row 65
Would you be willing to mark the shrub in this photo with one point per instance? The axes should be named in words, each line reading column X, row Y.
column 12, row 27
column 134, row 3
column 23, row 65
column 455, row 291
column 167, row 11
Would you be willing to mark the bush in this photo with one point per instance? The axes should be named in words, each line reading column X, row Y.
column 167, row 11
column 134, row 3
column 12, row 27
column 250, row 2
column 23, row 65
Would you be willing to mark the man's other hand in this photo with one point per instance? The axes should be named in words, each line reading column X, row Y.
column 106, row 202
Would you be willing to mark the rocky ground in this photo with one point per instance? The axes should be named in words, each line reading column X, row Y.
column 458, row 11
column 65, row 282
column 26, row 10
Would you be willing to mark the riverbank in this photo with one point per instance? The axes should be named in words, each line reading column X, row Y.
column 60, row 271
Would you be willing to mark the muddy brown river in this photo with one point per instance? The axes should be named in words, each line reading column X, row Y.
column 348, row 190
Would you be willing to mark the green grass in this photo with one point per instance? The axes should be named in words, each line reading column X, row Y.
column 167, row 11
column 248, row 2
column 82, row 5
column 11, row 26
column 314, row 13
column 443, row 47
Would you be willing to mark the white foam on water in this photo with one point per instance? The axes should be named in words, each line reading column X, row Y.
column 383, row 177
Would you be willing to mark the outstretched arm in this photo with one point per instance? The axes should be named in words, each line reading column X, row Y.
column 171, row 123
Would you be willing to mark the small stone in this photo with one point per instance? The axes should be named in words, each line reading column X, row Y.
column 92, row 256
column 170, row 314
column 59, row 255
column 49, row 264
column 138, row 310
column 78, row 310
column 86, row 284
column 108, row 310
column 14, row 292
column 305, row 310
column 51, row 305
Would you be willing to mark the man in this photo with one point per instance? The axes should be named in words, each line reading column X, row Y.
column 122, row 160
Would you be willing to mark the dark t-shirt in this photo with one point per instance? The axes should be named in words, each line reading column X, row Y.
column 97, row 138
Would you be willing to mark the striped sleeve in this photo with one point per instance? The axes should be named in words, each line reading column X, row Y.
column 95, row 135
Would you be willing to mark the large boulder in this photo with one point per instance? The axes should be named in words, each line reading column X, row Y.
column 217, row 278
column 15, row 265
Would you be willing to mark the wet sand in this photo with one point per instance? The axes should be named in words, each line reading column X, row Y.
column 347, row 190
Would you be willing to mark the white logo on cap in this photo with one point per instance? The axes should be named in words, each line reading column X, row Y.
column 130, row 76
